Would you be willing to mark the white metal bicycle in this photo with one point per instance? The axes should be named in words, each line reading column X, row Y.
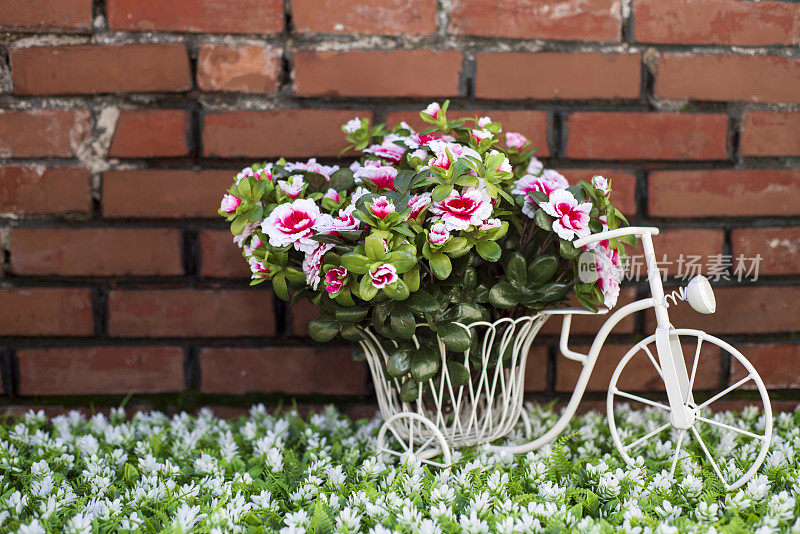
column 446, row 416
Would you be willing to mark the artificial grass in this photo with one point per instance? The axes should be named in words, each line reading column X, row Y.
column 265, row 473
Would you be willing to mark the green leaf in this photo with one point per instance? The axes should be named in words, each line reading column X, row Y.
column 355, row 263
column 351, row 332
column 403, row 261
column 441, row 192
column 238, row 224
column 399, row 361
column 412, row 279
column 351, row 314
column 538, row 196
column 422, row 301
column 454, row 337
column 567, row 250
column 515, row 270
column 459, row 374
column 440, row 265
column 375, row 248
column 403, row 323
column 323, row 329
column 424, row 364
column 454, row 244
column 543, row 220
column 366, row 289
column 503, row 295
column 542, row 269
column 409, row 392
column 398, row 291
column 342, row 180
column 279, row 286
column 463, row 313
column 551, row 292
column 488, row 250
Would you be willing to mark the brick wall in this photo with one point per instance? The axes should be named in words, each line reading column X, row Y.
column 122, row 120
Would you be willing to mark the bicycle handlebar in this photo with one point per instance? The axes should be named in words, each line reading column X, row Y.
column 619, row 232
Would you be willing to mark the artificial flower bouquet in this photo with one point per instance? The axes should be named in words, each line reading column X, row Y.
column 456, row 223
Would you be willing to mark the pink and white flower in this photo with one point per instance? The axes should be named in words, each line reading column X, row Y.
column 230, row 204
column 382, row 176
column 312, row 263
column 481, row 134
column 571, row 218
column 312, row 166
column 384, row 275
column 457, row 151
column 515, row 140
column 505, row 166
column 438, row 234
column 548, row 182
column 600, row 182
column 293, row 223
column 388, row 149
column 257, row 268
column 416, row 140
column 432, row 110
column 483, row 122
column 358, row 193
column 352, row 125
column 417, row 203
column 332, row 194
column 489, row 224
column 345, row 222
column 248, row 230
column 334, row 280
column 255, row 242
column 534, row 166
column 609, row 274
column 460, row 211
column 292, row 186
column 265, row 173
column 382, row 207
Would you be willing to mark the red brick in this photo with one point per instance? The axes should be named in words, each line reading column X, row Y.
column 190, row 313
column 554, row 75
column 271, row 134
column 590, row 324
column 221, row 258
column 562, row 20
column 779, row 248
column 623, row 185
column 778, row 365
column 744, row 309
column 62, row 15
column 242, row 69
column 412, row 73
column 771, row 133
column 96, row 252
column 302, row 314
column 536, row 368
column 532, row 124
column 369, row 17
column 716, row 22
column 151, row 133
column 728, row 77
column 675, row 248
column 724, row 193
column 651, row 136
column 100, row 370
column 164, row 193
column 46, row 312
column 42, row 132
column 639, row 373
column 93, row 69
column 37, row 190
column 291, row 370
column 235, row 16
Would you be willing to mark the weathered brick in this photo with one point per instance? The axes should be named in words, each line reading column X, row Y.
column 676, row 247
column 728, row 77
column 724, row 193
column 37, row 190
column 770, row 133
column 235, row 16
column 39, row 311
column 100, row 370
column 716, row 22
column 649, row 136
column 532, row 124
column 220, row 257
column 779, row 248
column 623, row 185
column 164, row 193
column 238, row 69
column 151, row 133
column 93, row 69
column 42, row 132
column 744, row 309
column 368, row 17
column 96, row 252
column 320, row 369
column 778, row 365
column 190, row 313
column 562, row 20
column 411, row 73
column 73, row 16
column 271, row 134
column 556, row 75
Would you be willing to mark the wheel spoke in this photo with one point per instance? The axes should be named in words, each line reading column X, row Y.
column 425, row 445
column 677, row 452
column 729, row 427
column 640, row 399
column 708, row 455
column 647, row 436
column 653, row 361
column 400, row 440
column 390, row 451
column 435, row 464
column 725, row 392
column 411, row 424
column 694, row 368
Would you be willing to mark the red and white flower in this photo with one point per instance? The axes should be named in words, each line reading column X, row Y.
column 249, row 228
column 345, row 222
column 416, row 140
column 230, row 204
column 382, row 176
column 609, row 274
column 571, row 217
column 255, row 242
column 438, row 234
column 334, row 280
column 459, row 211
column 432, row 110
column 292, row 186
column 489, row 224
column 388, row 149
column 257, row 268
column 417, row 203
column 293, row 223
column 382, row 207
column 481, row 134
column 483, row 122
column 332, row 194
column 384, row 275
column 600, row 182
column 312, row 263
column 534, row 166
column 505, row 166
column 548, row 182
column 312, row 166
column 457, row 151
column 515, row 140
column 352, row 125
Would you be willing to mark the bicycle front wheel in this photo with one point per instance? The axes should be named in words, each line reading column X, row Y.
column 733, row 444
